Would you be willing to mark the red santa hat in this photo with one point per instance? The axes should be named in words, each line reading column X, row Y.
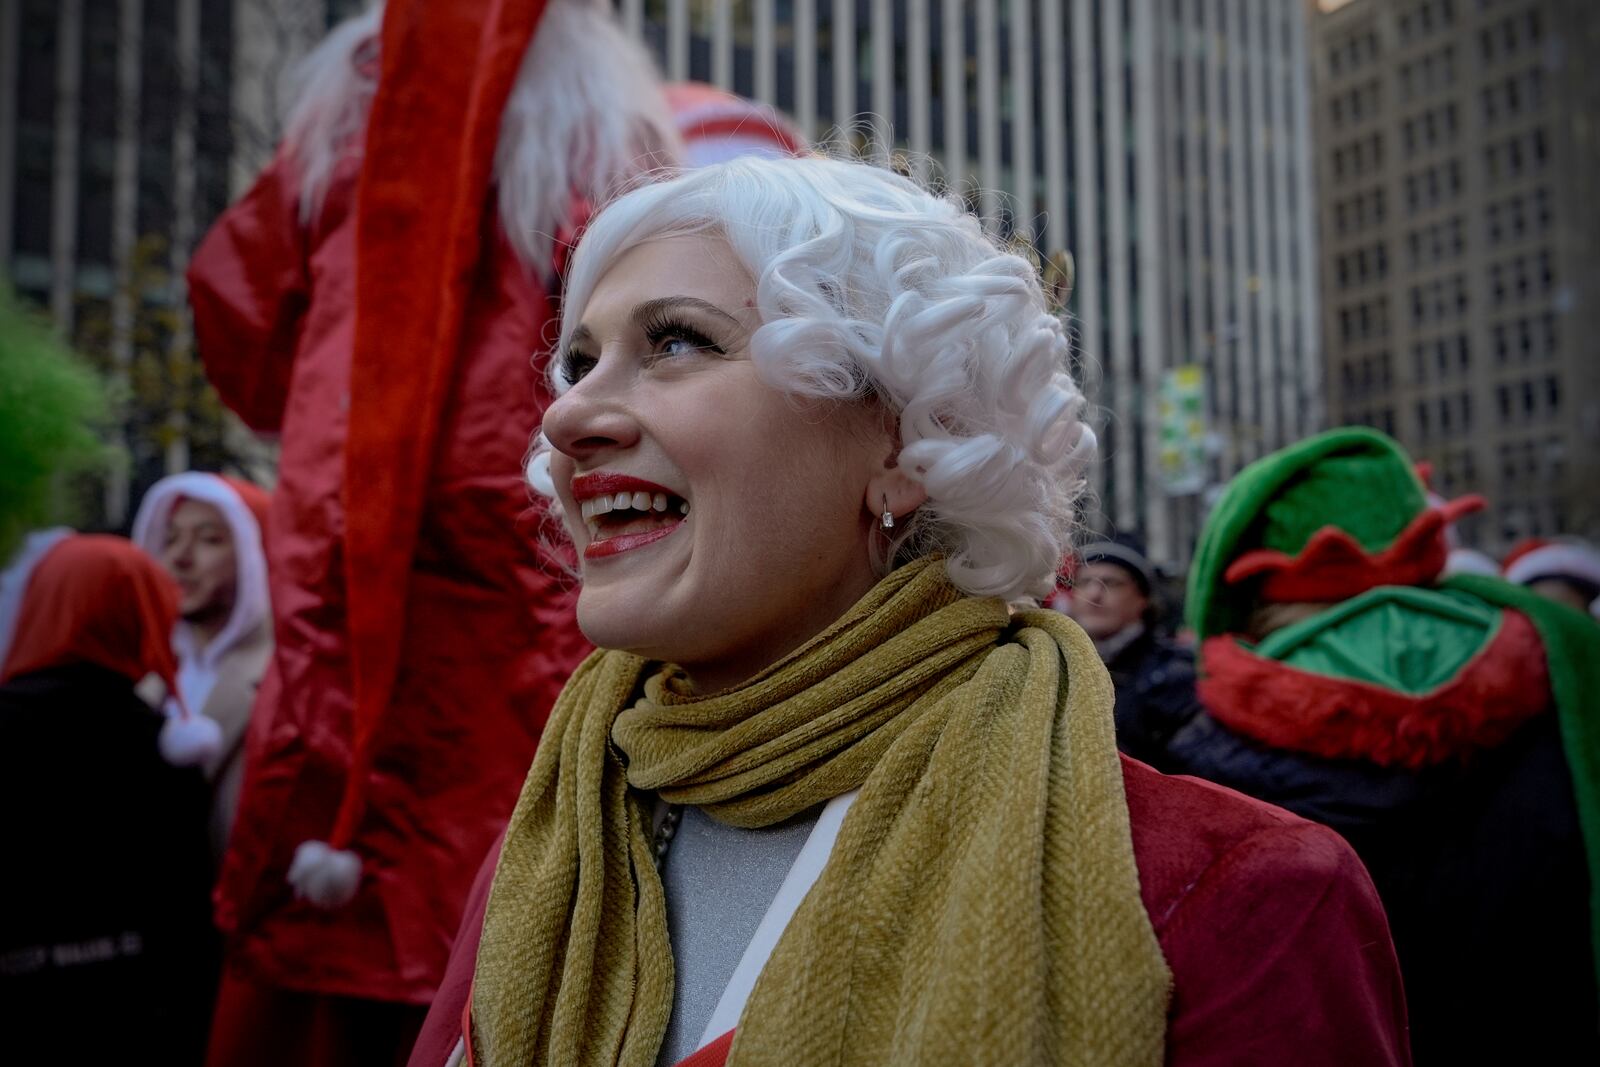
column 94, row 598
column 98, row 599
column 1534, row 559
column 196, row 739
column 446, row 72
column 717, row 125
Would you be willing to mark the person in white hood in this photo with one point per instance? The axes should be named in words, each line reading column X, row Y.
column 207, row 531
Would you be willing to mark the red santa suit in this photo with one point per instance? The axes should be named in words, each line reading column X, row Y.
column 382, row 299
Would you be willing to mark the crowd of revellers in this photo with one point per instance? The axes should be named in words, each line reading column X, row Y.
column 773, row 707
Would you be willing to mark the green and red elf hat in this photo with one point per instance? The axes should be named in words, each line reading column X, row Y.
column 1341, row 524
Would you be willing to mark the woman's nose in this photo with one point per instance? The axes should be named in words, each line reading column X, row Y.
column 591, row 417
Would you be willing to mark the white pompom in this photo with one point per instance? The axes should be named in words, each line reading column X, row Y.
column 324, row 875
column 189, row 740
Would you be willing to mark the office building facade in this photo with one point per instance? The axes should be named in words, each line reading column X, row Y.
column 1163, row 143
column 1457, row 153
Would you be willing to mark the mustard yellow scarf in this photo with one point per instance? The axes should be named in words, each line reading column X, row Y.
column 980, row 906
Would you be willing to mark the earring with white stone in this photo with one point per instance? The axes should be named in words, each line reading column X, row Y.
column 888, row 516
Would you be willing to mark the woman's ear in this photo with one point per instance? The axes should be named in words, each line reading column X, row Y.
column 894, row 493
column 890, row 491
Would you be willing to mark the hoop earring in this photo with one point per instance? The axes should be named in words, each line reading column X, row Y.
column 888, row 516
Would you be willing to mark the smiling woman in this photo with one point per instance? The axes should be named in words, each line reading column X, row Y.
column 835, row 790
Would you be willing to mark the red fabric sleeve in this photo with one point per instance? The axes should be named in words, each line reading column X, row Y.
column 1297, row 964
column 249, row 285
column 442, row 1028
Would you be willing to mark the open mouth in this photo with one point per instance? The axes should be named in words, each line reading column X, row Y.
column 622, row 513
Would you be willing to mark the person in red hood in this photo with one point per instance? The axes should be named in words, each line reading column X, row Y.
column 206, row 530
column 106, row 896
column 374, row 300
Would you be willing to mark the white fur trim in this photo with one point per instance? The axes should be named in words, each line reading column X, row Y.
column 585, row 118
column 1471, row 561
column 328, row 110
column 326, row 876
column 190, row 740
column 1556, row 561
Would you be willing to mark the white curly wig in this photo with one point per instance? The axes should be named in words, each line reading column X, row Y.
column 868, row 286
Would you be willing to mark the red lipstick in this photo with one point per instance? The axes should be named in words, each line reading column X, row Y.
column 587, row 486
column 625, row 542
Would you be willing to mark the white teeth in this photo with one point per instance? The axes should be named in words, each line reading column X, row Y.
column 595, row 507
column 594, row 530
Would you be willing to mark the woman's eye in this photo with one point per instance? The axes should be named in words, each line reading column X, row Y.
column 671, row 338
column 575, row 366
column 680, row 346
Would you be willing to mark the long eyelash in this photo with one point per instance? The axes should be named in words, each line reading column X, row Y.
column 574, row 365
column 660, row 326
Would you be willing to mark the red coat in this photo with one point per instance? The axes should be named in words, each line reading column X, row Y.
column 1279, row 950
column 489, row 635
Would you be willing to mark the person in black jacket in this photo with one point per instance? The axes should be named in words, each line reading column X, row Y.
column 107, row 954
column 1112, row 598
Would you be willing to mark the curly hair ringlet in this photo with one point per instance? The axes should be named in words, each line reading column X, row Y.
column 870, row 287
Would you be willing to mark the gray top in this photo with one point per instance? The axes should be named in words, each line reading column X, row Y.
column 719, row 882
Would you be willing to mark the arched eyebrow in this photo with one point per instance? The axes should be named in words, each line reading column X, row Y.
column 652, row 309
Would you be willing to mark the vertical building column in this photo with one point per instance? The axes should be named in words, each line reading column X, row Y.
column 918, row 89
column 1304, row 222
column 883, row 132
column 64, row 167
column 1054, row 87
column 677, row 40
column 1282, row 294
column 10, row 95
column 1148, row 263
column 1021, row 17
column 844, row 67
column 1235, row 59
column 124, row 236
column 722, row 44
column 766, row 60
column 1125, row 396
column 183, row 219
column 988, row 113
column 953, row 37
column 805, row 66
column 1258, row 293
column 1085, row 74
column 1222, row 337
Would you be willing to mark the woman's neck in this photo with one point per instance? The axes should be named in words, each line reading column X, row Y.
column 731, row 671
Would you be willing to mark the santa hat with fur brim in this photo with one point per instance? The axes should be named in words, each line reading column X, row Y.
column 1340, row 514
column 1535, row 561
